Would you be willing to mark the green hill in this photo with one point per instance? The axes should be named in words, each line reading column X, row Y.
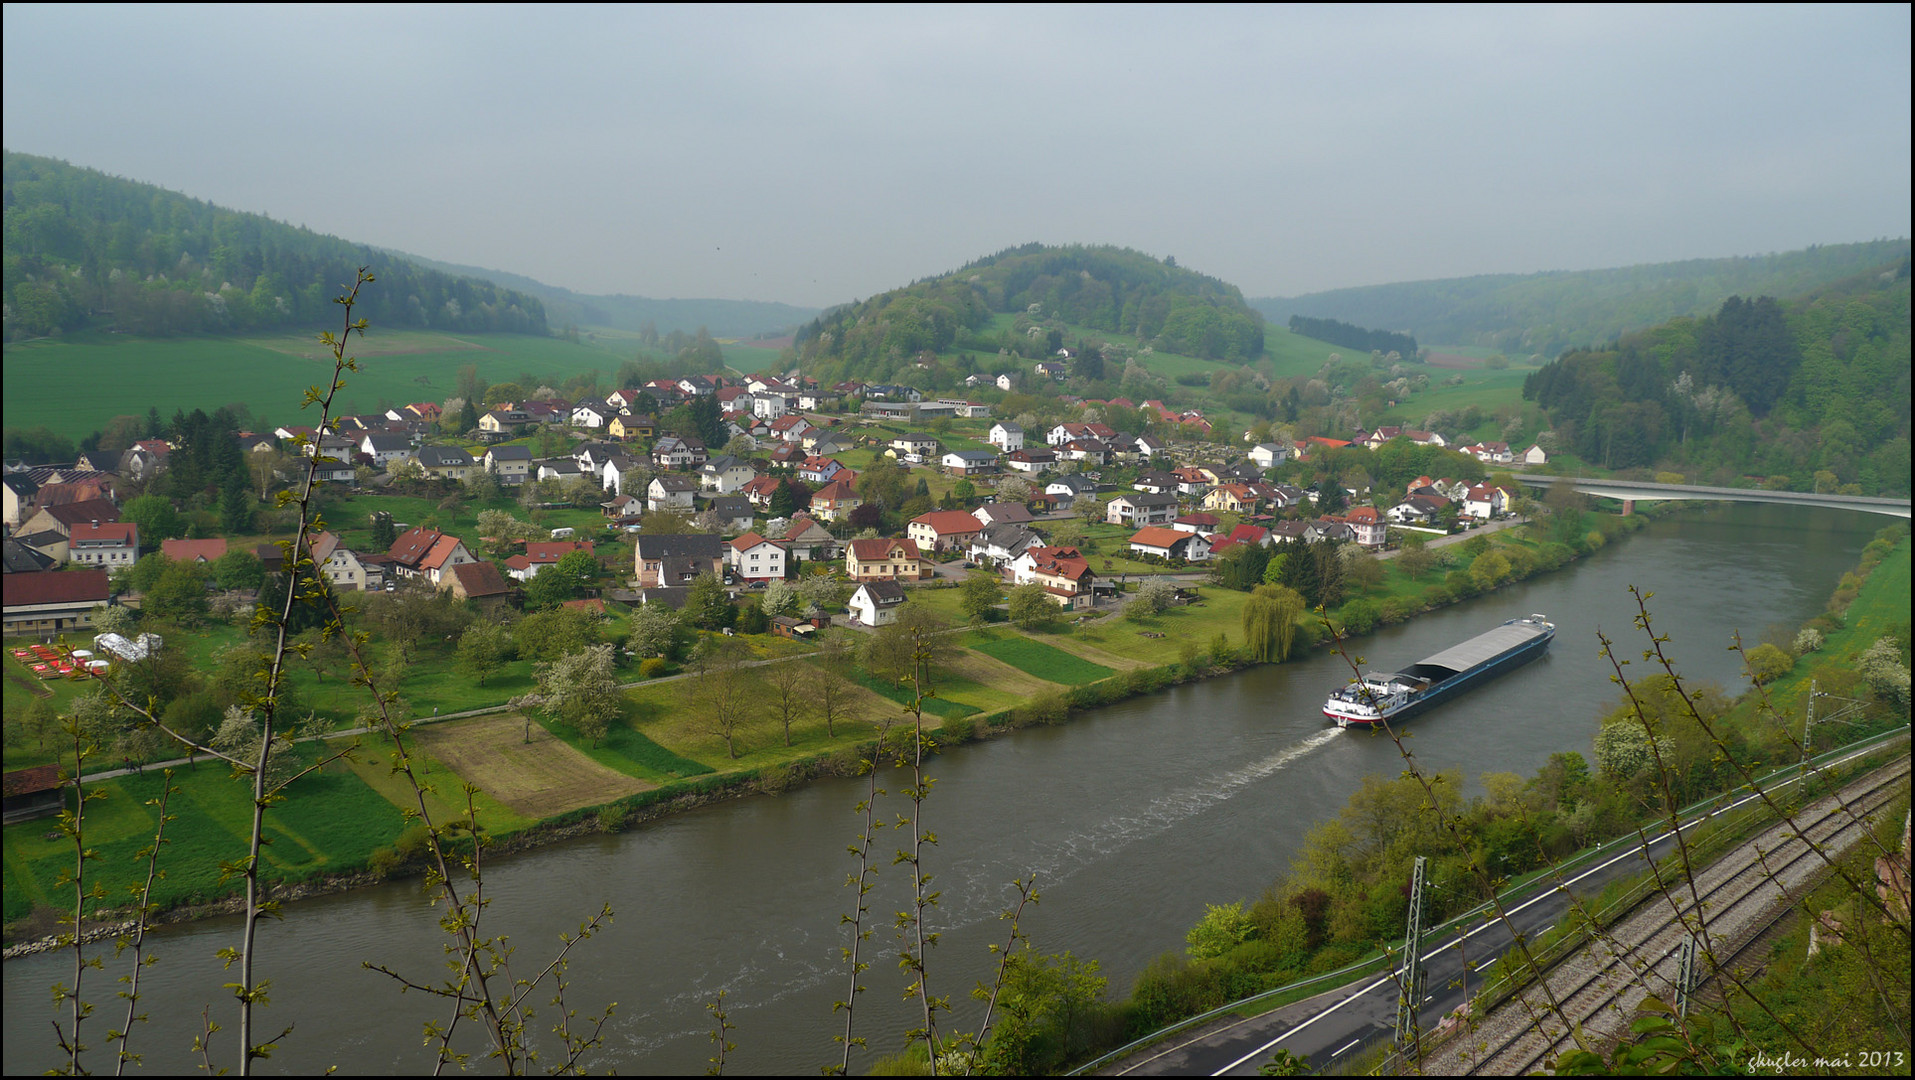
column 1525, row 314
column 563, row 307
column 1048, row 294
column 1811, row 394
column 84, row 250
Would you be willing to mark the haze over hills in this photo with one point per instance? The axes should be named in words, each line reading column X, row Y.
column 563, row 307
column 1549, row 312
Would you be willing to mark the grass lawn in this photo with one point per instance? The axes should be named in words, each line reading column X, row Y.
column 1034, row 657
column 446, row 795
column 536, row 779
column 126, row 375
column 1219, row 611
column 332, row 820
column 661, row 718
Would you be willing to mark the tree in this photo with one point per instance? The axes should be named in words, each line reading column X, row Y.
column 913, row 645
column 707, row 607
column 665, row 523
column 654, row 630
column 978, row 597
column 823, row 594
column 581, row 688
column 788, row 683
column 1489, row 569
column 561, row 581
column 157, row 519
column 719, row 690
column 178, row 595
column 239, row 569
column 780, row 598
column 830, row 692
column 115, row 619
column 1153, row 597
column 1270, row 623
column 1031, row 607
column 483, row 649
column 384, row 533
column 1416, row 560
column 548, row 635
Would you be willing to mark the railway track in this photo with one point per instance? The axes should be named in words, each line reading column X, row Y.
column 1600, row 985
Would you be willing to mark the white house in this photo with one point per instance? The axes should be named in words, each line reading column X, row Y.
column 754, row 558
column 1483, row 501
column 675, row 493
column 725, row 474
column 1007, row 436
column 1269, row 455
column 1535, row 456
column 876, row 603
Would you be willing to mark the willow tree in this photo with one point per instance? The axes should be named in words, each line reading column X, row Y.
column 1270, row 622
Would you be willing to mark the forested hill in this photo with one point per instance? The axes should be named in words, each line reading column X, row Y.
column 563, row 307
column 1807, row 395
column 1527, row 314
column 1108, row 289
column 88, row 250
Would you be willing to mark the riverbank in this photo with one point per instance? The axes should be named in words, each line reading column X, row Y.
column 1004, row 680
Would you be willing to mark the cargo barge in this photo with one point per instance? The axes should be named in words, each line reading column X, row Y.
column 1433, row 680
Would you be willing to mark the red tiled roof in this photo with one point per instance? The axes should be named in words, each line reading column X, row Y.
column 33, row 781
column 193, row 550
column 1157, row 536
column 868, row 550
column 480, row 579
column 948, row 522
column 56, row 587
column 124, row 532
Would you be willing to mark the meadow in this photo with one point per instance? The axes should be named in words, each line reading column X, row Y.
column 121, row 374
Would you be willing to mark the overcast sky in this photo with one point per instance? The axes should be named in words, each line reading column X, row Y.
column 817, row 155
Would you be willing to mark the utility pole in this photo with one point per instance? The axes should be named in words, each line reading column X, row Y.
column 1410, row 994
column 1686, row 980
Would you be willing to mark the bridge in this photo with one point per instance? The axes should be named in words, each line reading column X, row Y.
column 1634, row 491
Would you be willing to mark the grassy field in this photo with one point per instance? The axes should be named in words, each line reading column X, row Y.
column 537, row 779
column 125, row 375
column 334, row 821
column 1035, row 658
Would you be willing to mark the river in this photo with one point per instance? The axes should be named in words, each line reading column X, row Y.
column 1132, row 818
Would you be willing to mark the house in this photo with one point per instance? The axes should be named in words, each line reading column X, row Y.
column 1246, row 534
column 1326, row 530
column 725, row 474
column 446, row 462
column 502, row 423
column 754, row 558
column 1289, row 532
column 622, row 506
column 1051, row 368
column 112, row 544
column 1096, row 451
column 1063, row 572
column 1006, row 436
column 540, row 554
column 628, row 426
column 759, row 490
column 34, row 793
column 821, row 470
column 1284, row 496
column 885, row 559
column 1233, row 499
column 343, row 569
column 428, row 554
column 1484, row 501
column 674, row 493
column 997, row 513
column 734, row 512
column 1007, row 381
column 1197, row 523
column 384, row 449
column 21, row 559
column 1269, row 455
column 791, row 428
column 1170, row 544
column 1032, row 460
column 876, row 603
column 835, row 501
column 479, row 582
column 625, row 400
column 678, row 452
column 61, row 519
column 1064, row 433
column 1369, row 528
column 808, row 541
column 676, row 560
column 1148, row 446
column 1494, row 453
column 970, row 462
column 943, row 530
column 915, row 449
column 592, row 414
column 194, row 551
column 1140, row 509
column 1535, row 455
column 1070, row 488
column 558, row 469
column 511, row 464
column 18, row 490
column 1193, row 481
column 1418, row 509
column 53, row 601
column 1156, row 482
column 424, row 410
column 999, row 544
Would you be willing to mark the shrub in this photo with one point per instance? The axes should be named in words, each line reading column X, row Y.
column 1808, row 640
column 1360, row 616
column 651, row 667
column 612, row 818
column 1223, row 928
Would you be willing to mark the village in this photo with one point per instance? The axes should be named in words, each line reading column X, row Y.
column 1048, row 506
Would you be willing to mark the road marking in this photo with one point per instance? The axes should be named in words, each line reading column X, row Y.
column 1339, row 1053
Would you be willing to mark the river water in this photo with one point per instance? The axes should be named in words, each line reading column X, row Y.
column 1132, row 818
